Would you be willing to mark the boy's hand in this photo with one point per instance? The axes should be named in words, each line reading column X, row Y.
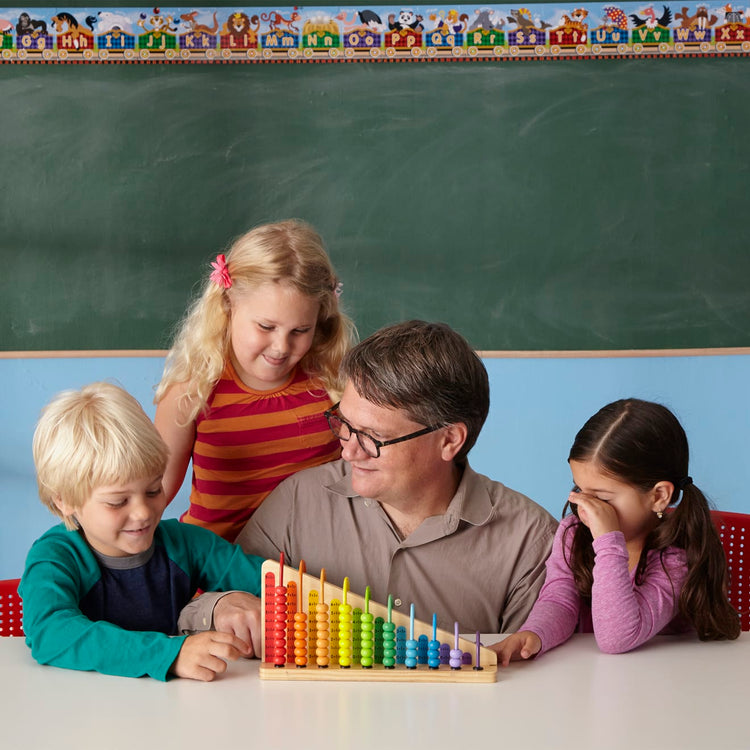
column 204, row 655
column 238, row 614
column 521, row 645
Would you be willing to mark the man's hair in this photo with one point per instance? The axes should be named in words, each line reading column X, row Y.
column 90, row 438
column 427, row 370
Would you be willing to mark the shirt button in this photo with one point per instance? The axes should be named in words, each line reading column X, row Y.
column 397, row 602
column 367, row 503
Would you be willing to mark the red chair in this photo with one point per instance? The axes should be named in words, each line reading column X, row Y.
column 734, row 530
column 11, row 609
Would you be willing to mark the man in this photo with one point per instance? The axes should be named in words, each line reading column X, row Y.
column 402, row 511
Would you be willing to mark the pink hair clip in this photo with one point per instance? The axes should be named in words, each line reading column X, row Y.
column 220, row 275
column 338, row 289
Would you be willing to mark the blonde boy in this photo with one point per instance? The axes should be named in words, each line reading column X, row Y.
column 104, row 591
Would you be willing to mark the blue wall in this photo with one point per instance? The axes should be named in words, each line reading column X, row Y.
column 538, row 404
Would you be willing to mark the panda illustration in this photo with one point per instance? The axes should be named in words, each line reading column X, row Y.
column 407, row 19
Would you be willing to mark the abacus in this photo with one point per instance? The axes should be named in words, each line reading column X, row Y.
column 345, row 636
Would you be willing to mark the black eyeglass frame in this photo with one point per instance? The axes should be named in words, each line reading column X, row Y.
column 329, row 414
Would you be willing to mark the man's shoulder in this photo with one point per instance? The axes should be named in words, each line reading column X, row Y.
column 509, row 502
column 317, row 476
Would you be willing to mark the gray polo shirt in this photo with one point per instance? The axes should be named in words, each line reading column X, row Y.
column 480, row 564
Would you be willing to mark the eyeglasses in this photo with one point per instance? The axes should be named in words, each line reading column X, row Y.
column 370, row 445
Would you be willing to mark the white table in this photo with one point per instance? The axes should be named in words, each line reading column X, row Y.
column 672, row 693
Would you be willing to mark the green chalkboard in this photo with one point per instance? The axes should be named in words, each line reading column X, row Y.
column 532, row 205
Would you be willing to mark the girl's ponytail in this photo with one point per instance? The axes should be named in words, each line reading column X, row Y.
column 703, row 599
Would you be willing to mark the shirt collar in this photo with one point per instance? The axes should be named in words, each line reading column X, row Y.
column 129, row 562
column 471, row 503
column 343, row 486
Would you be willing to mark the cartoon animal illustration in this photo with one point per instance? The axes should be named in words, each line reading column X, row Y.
column 450, row 22
column 368, row 18
column 487, row 19
column 651, row 21
column 159, row 24
column 700, row 20
column 522, row 18
column 199, row 28
column 372, row 20
column 67, row 23
column 240, row 23
column 348, row 23
column 28, row 25
column 576, row 18
column 615, row 17
column 732, row 16
column 276, row 21
column 109, row 21
column 576, row 22
column 407, row 19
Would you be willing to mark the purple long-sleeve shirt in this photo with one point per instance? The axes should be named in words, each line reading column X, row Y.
column 622, row 615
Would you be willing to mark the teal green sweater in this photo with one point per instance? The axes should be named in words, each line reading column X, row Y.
column 80, row 613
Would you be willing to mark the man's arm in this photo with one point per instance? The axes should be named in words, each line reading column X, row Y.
column 532, row 571
column 237, row 612
column 234, row 612
column 267, row 533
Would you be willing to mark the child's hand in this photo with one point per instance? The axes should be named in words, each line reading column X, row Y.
column 204, row 655
column 521, row 645
column 238, row 613
column 597, row 514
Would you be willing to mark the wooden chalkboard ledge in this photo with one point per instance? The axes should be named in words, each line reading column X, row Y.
column 609, row 353
column 84, row 354
column 551, row 354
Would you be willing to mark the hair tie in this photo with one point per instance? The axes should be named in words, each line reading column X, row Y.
column 338, row 287
column 220, row 275
column 684, row 483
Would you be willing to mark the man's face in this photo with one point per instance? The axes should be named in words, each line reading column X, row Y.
column 402, row 471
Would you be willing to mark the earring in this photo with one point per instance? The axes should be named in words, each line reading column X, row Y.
column 659, row 514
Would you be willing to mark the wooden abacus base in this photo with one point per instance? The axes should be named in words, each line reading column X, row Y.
column 310, row 595
column 378, row 673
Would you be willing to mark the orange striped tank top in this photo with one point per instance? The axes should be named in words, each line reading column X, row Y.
column 248, row 441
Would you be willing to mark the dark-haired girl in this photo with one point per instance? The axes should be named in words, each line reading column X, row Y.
column 636, row 553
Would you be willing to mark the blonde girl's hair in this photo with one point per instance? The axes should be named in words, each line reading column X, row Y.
column 289, row 252
column 93, row 437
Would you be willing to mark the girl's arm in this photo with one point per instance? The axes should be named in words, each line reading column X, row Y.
column 555, row 615
column 626, row 615
column 179, row 436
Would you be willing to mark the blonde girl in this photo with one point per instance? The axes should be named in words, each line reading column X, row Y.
column 251, row 373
